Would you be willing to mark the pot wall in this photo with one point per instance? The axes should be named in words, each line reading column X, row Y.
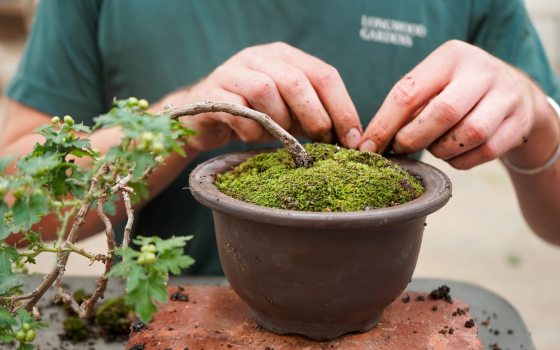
column 350, row 274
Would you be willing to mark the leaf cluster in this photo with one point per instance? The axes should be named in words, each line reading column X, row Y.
column 146, row 281
column 56, row 178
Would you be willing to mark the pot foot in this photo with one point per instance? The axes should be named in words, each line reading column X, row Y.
column 315, row 331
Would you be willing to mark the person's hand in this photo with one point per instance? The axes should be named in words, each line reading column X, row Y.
column 461, row 103
column 300, row 92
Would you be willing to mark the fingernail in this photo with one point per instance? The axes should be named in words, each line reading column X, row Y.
column 368, row 146
column 353, row 138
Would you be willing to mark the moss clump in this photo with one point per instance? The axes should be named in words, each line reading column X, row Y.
column 339, row 180
column 75, row 329
column 114, row 318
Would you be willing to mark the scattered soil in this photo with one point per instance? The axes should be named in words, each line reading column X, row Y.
column 406, row 299
column 469, row 323
column 179, row 296
column 458, row 312
column 441, row 293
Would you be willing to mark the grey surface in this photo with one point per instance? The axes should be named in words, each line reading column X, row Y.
column 483, row 305
column 486, row 306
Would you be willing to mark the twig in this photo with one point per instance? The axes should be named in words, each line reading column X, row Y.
column 65, row 298
column 129, row 220
column 62, row 257
column 301, row 158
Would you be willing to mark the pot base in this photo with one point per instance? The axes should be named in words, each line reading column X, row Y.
column 313, row 331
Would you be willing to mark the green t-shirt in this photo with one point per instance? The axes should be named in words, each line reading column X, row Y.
column 82, row 53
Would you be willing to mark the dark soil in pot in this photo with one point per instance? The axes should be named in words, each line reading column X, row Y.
column 319, row 274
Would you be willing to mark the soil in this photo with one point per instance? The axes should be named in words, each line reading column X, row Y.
column 340, row 180
column 441, row 293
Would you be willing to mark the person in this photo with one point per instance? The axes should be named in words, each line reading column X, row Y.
column 468, row 81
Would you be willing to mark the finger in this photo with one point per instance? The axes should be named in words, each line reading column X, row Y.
column 441, row 114
column 505, row 138
column 246, row 130
column 258, row 89
column 475, row 129
column 332, row 92
column 413, row 91
column 298, row 93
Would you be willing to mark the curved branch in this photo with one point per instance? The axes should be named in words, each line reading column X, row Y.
column 301, row 158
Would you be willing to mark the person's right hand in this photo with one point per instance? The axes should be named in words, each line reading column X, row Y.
column 300, row 92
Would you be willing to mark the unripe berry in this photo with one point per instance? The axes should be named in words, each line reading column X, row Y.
column 143, row 104
column 149, row 258
column 26, row 326
column 132, row 101
column 20, row 336
column 55, row 120
column 147, row 136
column 149, row 248
column 68, row 120
column 29, row 336
column 157, row 147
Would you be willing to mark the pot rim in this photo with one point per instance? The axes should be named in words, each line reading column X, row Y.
column 437, row 192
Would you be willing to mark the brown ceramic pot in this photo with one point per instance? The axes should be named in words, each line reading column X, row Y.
column 317, row 274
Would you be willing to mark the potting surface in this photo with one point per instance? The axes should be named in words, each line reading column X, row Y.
column 414, row 319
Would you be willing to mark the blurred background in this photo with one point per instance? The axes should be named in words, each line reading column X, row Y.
column 479, row 237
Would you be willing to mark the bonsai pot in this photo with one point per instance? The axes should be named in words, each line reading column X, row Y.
column 317, row 274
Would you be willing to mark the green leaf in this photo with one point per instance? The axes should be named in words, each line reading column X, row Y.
column 29, row 210
column 141, row 298
column 32, row 165
column 7, row 321
column 174, row 263
column 8, row 280
column 5, row 229
column 164, row 245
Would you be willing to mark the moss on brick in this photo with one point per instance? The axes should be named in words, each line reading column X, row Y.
column 340, row 180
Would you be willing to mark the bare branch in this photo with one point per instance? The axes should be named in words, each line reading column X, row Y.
column 62, row 257
column 129, row 220
column 297, row 151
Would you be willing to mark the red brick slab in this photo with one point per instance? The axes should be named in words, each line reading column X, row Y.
column 215, row 318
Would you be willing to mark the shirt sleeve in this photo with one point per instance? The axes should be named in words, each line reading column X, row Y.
column 60, row 72
column 504, row 29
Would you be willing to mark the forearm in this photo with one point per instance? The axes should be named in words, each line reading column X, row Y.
column 539, row 194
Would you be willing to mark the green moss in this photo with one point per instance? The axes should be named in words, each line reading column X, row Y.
column 75, row 329
column 339, row 180
column 114, row 317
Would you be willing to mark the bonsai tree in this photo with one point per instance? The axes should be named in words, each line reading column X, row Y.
column 48, row 181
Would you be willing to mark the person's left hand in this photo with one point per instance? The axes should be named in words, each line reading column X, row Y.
column 461, row 103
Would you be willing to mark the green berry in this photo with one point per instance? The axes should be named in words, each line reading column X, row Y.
column 143, row 104
column 142, row 259
column 55, row 120
column 132, row 101
column 147, row 136
column 3, row 189
column 26, row 326
column 30, row 336
column 148, row 248
column 68, row 120
column 20, row 336
column 157, row 147
column 149, row 258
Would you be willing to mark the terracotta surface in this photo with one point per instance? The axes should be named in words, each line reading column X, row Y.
column 214, row 317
